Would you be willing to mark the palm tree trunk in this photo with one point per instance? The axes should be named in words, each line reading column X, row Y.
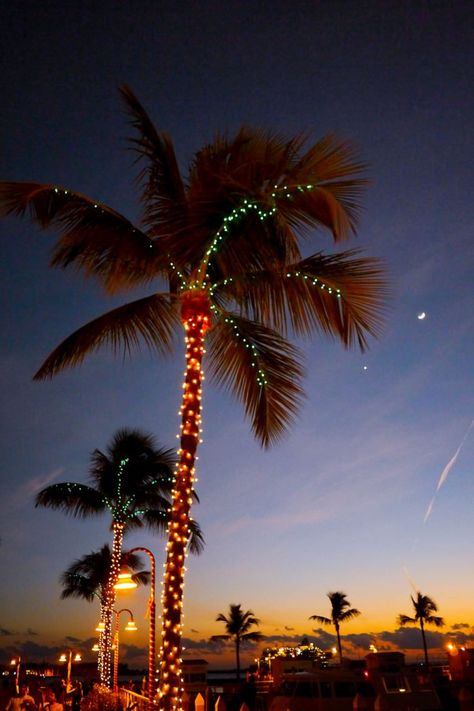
column 424, row 645
column 108, row 607
column 196, row 319
column 237, row 656
column 339, row 646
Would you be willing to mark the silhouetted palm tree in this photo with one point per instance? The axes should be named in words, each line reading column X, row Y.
column 424, row 608
column 226, row 243
column 87, row 577
column 341, row 611
column 132, row 481
column 238, row 624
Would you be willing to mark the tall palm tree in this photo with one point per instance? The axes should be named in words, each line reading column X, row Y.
column 132, row 481
column 225, row 244
column 341, row 611
column 424, row 607
column 238, row 624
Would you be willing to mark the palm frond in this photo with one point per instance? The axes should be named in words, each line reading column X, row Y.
column 196, row 538
column 93, row 238
column 221, row 618
column 163, row 189
column 405, row 620
column 424, row 607
column 155, row 519
column 261, row 368
column 340, row 295
column 322, row 620
column 137, row 466
column 142, row 577
column 151, row 320
column 77, row 586
column 238, row 622
column 252, row 637
column 77, row 500
column 349, row 615
column 331, row 171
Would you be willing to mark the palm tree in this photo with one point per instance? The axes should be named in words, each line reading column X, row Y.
column 238, row 624
column 87, row 577
column 424, row 608
column 226, row 243
column 341, row 611
column 132, row 481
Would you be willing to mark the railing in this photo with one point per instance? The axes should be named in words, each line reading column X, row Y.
column 131, row 701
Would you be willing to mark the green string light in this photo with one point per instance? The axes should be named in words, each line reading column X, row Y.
column 261, row 377
column 314, row 281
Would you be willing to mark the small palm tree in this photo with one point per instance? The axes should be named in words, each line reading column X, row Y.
column 132, row 481
column 424, row 608
column 238, row 624
column 341, row 611
column 87, row 577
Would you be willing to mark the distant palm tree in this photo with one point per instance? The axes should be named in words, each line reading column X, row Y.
column 238, row 624
column 132, row 481
column 424, row 608
column 87, row 577
column 225, row 250
column 341, row 611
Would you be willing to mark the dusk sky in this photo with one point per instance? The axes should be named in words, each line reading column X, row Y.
column 345, row 502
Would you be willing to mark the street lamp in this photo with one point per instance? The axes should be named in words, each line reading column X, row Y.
column 131, row 627
column 122, row 584
column 68, row 658
column 16, row 663
column 125, row 580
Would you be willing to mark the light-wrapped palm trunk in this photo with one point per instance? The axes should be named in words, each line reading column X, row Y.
column 196, row 319
column 105, row 644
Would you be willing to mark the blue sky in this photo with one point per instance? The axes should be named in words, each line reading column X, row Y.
column 340, row 504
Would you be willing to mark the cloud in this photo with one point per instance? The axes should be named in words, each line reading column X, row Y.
column 130, row 652
column 31, row 651
column 364, row 639
column 446, row 470
column 289, row 629
column 73, row 640
column 324, row 639
column 410, row 638
column 34, row 652
column 213, row 646
column 29, row 488
column 31, row 633
column 5, row 633
column 461, row 626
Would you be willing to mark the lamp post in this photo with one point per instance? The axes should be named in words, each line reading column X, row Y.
column 123, row 584
column 131, row 627
column 17, row 663
column 68, row 658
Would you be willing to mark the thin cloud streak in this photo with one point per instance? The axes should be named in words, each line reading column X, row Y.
column 445, row 472
column 29, row 488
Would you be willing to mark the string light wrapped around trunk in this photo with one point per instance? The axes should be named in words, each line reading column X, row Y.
column 196, row 319
column 105, row 640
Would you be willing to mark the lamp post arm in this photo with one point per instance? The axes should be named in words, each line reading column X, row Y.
column 152, row 635
column 117, row 614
